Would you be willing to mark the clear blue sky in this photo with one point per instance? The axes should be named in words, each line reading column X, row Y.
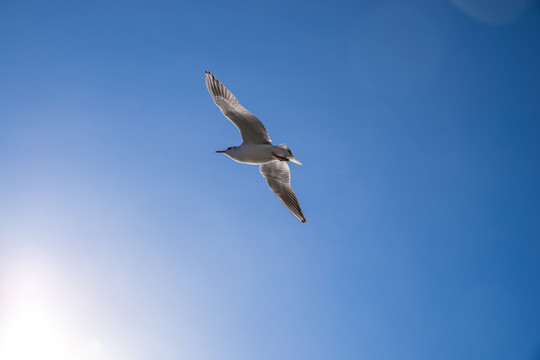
column 123, row 235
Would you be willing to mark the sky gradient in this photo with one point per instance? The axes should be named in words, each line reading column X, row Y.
column 123, row 235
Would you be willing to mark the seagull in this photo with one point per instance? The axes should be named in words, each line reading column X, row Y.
column 256, row 147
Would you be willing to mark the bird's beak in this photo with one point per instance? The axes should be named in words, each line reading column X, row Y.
column 294, row 161
column 221, row 151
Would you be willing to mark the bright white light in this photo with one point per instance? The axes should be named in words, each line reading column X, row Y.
column 35, row 323
column 33, row 334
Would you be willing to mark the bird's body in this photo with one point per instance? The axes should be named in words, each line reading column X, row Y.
column 257, row 148
column 256, row 154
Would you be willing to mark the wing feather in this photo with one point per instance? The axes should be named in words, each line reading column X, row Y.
column 251, row 128
column 278, row 177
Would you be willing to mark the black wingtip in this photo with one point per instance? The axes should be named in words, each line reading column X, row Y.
column 304, row 220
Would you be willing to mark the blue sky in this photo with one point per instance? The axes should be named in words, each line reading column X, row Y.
column 123, row 235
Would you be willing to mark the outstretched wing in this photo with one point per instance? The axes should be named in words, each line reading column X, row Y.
column 278, row 176
column 251, row 128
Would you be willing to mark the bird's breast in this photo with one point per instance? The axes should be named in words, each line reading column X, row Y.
column 253, row 154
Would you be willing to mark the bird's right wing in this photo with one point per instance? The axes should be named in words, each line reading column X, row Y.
column 278, row 176
column 251, row 128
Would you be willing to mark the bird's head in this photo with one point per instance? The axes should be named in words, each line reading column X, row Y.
column 227, row 150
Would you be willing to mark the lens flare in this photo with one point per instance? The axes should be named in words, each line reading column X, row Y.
column 36, row 320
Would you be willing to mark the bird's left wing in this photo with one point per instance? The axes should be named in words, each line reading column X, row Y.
column 278, row 176
column 251, row 128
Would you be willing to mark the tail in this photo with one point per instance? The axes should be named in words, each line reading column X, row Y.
column 291, row 157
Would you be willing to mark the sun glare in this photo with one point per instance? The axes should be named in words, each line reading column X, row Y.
column 35, row 322
column 34, row 334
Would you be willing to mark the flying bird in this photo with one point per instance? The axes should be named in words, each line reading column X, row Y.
column 256, row 147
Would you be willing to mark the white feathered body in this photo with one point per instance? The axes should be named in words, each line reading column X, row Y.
column 257, row 154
